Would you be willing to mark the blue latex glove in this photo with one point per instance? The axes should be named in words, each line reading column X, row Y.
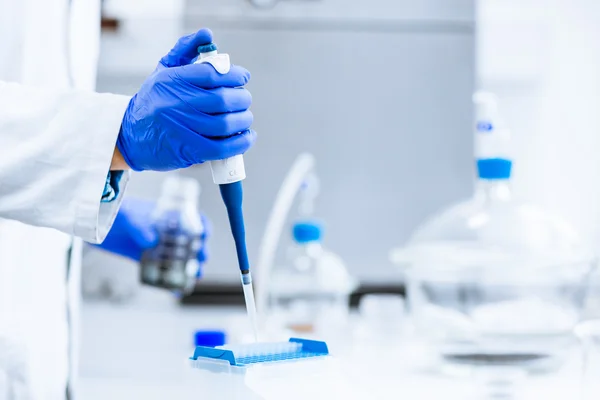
column 186, row 114
column 133, row 232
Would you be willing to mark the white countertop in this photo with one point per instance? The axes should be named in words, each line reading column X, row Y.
column 140, row 351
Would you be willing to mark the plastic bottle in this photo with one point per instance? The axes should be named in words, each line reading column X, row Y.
column 172, row 263
column 310, row 294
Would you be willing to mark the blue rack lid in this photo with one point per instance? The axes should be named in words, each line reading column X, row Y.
column 307, row 349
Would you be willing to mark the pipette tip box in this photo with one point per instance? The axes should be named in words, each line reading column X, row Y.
column 296, row 369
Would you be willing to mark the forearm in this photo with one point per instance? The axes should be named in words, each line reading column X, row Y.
column 56, row 148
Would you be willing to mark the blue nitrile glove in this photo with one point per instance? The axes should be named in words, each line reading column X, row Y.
column 133, row 231
column 186, row 114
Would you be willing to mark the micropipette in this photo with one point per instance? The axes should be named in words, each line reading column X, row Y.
column 228, row 174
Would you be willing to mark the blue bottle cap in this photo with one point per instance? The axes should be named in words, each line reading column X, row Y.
column 307, row 231
column 494, row 168
column 209, row 338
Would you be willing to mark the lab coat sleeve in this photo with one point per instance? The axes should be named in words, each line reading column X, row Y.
column 55, row 152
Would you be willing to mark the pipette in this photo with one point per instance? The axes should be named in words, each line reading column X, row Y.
column 228, row 174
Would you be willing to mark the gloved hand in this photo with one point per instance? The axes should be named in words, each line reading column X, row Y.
column 186, row 114
column 133, row 231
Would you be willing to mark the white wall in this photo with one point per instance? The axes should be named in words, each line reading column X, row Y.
column 542, row 57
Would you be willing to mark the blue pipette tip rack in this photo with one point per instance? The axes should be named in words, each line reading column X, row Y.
column 207, row 48
column 257, row 353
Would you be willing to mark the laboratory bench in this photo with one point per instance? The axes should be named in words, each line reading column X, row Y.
column 231, row 294
column 140, row 350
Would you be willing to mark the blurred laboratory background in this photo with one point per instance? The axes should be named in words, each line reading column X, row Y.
column 328, row 78
column 366, row 140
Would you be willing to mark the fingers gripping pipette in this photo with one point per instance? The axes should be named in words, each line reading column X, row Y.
column 228, row 174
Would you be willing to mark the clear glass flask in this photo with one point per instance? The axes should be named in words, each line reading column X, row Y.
column 172, row 263
column 492, row 280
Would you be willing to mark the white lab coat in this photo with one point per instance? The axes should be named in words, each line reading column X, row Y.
column 56, row 146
